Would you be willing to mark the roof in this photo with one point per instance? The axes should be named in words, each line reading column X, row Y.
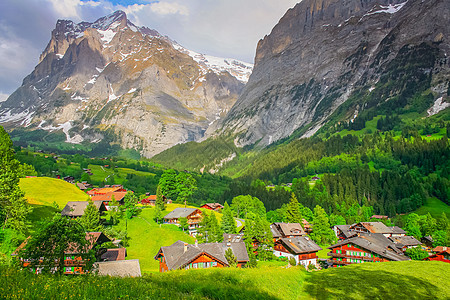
column 180, row 253
column 151, row 197
column 299, row 245
column 377, row 243
column 441, row 249
column 105, row 190
column 119, row 268
column 180, row 212
column 76, row 208
column 286, row 229
column 108, row 197
column 379, row 227
column 114, row 254
column 405, row 240
column 213, row 206
column 81, row 186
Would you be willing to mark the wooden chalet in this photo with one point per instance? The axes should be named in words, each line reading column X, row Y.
column 193, row 216
column 73, row 263
column 81, row 186
column 213, row 206
column 366, row 247
column 151, row 200
column 443, row 256
column 181, row 255
column 379, row 217
column 75, row 209
column 306, row 226
column 302, row 248
column 377, row 227
column 286, row 230
column 343, row 232
column 427, row 241
column 106, row 190
column 405, row 242
column 114, row 254
column 107, row 198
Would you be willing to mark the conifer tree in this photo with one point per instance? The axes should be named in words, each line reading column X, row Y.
column 228, row 222
column 229, row 255
column 184, row 225
column 322, row 233
column 159, row 215
column 90, row 220
column 216, row 234
column 293, row 211
column 160, row 199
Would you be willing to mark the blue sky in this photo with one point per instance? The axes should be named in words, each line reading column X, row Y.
column 224, row 28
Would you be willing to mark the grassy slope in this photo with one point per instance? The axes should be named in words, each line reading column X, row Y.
column 101, row 173
column 394, row 280
column 435, row 207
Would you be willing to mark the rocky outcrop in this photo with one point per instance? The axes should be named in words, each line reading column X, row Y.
column 113, row 76
column 322, row 52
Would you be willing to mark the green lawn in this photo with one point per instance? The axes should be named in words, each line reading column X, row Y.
column 435, row 207
column 323, row 253
column 101, row 173
column 392, row 280
column 45, row 190
column 147, row 237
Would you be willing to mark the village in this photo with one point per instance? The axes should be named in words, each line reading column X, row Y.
column 290, row 242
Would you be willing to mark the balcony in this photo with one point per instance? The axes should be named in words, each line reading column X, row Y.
column 332, row 254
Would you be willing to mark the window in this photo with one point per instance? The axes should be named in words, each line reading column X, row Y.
column 195, row 266
column 214, row 263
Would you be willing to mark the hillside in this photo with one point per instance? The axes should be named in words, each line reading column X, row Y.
column 394, row 280
column 45, row 191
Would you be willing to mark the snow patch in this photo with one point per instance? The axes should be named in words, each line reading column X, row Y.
column 107, row 35
column 9, row 117
column 390, row 9
column 59, row 56
column 131, row 91
column 439, row 105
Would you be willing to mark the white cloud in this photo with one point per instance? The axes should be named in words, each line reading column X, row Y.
column 167, row 8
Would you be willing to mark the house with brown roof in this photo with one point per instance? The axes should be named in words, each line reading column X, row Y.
column 302, row 248
column 286, row 230
column 377, row 227
column 181, row 255
column 213, row 206
column 366, row 247
column 343, row 232
column 75, row 209
column 114, row 254
column 443, row 256
column 193, row 216
column 405, row 242
column 106, row 190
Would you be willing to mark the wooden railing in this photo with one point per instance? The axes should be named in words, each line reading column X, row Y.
column 332, row 254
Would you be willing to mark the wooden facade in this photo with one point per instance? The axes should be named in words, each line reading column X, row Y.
column 443, row 256
column 352, row 254
column 202, row 261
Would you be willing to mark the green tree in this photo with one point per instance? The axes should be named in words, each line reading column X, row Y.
column 412, row 226
column 232, row 260
column 158, row 217
column 215, row 232
column 168, row 183
column 186, row 185
column 26, row 170
column 228, row 222
column 114, row 212
column 242, row 205
column 47, row 247
column 322, row 233
column 130, row 201
column 90, row 219
column 442, row 223
column 15, row 206
column 416, row 253
column 293, row 211
column 184, row 224
column 160, row 199
column 440, row 238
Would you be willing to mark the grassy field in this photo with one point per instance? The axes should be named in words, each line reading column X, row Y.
column 101, row 173
column 45, row 190
column 435, row 207
column 393, row 280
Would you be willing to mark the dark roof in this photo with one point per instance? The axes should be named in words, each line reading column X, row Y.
column 180, row 212
column 213, row 206
column 405, row 240
column 286, row 229
column 76, row 208
column 81, row 186
column 379, row 227
column 114, row 254
column 119, row 268
column 343, row 227
column 299, row 245
column 377, row 243
column 180, row 253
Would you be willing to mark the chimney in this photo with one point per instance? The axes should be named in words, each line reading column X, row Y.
column 196, row 243
column 229, row 244
column 185, row 247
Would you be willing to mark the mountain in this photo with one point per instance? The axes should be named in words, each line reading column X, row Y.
column 330, row 62
column 111, row 80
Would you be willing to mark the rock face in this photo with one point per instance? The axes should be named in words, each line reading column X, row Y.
column 112, row 77
column 323, row 52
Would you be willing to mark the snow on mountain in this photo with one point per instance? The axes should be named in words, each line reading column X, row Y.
column 238, row 69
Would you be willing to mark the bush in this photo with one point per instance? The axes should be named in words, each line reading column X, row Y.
column 292, row 261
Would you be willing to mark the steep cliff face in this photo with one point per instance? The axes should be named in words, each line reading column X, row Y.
column 110, row 75
column 325, row 52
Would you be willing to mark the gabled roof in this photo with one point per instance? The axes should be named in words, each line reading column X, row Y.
column 376, row 243
column 181, row 212
column 239, row 250
column 379, row 227
column 300, row 245
column 213, row 206
column 286, row 229
column 118, row 196
column 405, row 240
column 119, row 268
column 114, row 254
column 76, row 208
column 81, row 186
column 441, row 249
